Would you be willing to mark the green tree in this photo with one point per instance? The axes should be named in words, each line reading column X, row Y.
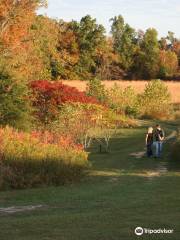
column 155, row 101
column 15, row 108
column 96, row 89
column 68, row 51
column 124, row 38
column 44, row 61
column 163, row 43
column 171, row 37
column 150, row 48
column 146, row 64
column 90, row 37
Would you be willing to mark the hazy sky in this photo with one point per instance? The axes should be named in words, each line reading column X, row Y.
column 164, row 15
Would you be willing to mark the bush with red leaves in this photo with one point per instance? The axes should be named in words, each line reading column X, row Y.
column 48, row 97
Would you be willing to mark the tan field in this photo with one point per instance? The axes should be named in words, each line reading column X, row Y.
column 174, row 87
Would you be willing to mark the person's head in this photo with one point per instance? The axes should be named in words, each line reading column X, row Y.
column 150, row 130
column 158, row 127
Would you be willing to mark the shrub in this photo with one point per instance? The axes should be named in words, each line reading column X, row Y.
column 50, row 96
column 155, row 102
column 96, row 89
column 30, row 160
column 123, row 101
column 78, row 120
column 81, row 121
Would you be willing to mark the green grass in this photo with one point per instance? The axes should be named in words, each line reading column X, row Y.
column 119, row 194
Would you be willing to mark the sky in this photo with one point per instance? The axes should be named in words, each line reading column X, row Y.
column 164, row 15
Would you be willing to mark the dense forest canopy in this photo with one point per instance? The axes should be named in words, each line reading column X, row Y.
column 36, row 47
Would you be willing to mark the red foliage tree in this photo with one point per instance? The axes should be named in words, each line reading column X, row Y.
column 49, row 97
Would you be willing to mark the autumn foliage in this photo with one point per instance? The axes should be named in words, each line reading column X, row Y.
column 63, row 118
column 15, row 20
column 49, row 96
column 34, row 159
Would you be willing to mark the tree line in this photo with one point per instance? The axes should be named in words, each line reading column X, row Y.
column 38, row 47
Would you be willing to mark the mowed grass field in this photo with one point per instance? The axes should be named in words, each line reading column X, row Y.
column 174, row 87
column 119, row 193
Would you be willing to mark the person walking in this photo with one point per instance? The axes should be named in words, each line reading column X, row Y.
column 149, row 142
column 159, row 138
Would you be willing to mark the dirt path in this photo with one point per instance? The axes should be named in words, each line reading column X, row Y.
column 11, row 210
column 140, row 154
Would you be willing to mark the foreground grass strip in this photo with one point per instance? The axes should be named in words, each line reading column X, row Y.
column 119, row 194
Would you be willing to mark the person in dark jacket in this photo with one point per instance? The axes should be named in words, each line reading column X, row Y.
column 159, row 138
column 149, row 142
